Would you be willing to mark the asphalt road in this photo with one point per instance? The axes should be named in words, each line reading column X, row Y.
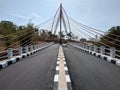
column 35, row 72
column 91, row 73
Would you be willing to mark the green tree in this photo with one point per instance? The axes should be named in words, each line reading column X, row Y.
column 7, row 28
column 114, row 33
column 29, row 35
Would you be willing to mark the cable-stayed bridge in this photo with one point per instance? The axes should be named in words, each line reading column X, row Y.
column 62, row 66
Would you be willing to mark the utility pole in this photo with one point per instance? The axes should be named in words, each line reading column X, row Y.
column 60, row 23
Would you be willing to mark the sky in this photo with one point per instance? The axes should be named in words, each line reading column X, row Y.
column 99, row 14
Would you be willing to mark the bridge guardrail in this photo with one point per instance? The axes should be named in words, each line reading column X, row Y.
column 14, row 55
column 20, row 51
column 103, row 52
column 117, row 55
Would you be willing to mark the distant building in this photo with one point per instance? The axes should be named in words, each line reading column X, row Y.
column 83, row 40
column 6, row 22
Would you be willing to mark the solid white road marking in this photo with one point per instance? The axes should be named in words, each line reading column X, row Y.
column 57, row 68
column 63, row 58
column 68, row 78
column 56, row 78
column 58, row 62
column 64, row 62
column 65, row 68
column 58, row 58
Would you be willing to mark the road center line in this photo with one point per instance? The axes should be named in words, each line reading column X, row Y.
column 62, row 79
column 62, row 85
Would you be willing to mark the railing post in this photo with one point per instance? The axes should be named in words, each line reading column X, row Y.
column 82, row 45
column 34, row 47
column 95, row 48
column 90, row 48
column 31, row 48
column 10, row 53
column 20, row 51
column 86, row 46
column 37, row 46
column 112, row 52
column 102, row 50
column 26, row 49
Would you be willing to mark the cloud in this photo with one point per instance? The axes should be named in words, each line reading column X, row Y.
column 35, row 15
column 20, row 16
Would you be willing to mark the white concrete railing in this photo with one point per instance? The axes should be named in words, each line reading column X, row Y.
column 102, row 51
column 22, row 51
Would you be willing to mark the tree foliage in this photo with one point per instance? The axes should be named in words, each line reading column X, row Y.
column 113, row 33
column 12, row 35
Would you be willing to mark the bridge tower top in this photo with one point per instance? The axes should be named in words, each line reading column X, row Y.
column 61, row 23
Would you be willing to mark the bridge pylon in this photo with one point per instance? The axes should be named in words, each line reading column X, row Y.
column 61, row 23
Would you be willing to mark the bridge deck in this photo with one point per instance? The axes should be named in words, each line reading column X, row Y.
column 37, row 71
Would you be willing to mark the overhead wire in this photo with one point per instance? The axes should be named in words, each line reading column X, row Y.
column 88, row 30
column 67, row 19
column 54, row 19
column 18, row 42
column 65, row 26
column 84, row 34
column 41, row 24
column 93, row 28
column 56, row 26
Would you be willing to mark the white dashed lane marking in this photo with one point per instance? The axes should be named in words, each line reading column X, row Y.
column 62, row 79
column 56, row 78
